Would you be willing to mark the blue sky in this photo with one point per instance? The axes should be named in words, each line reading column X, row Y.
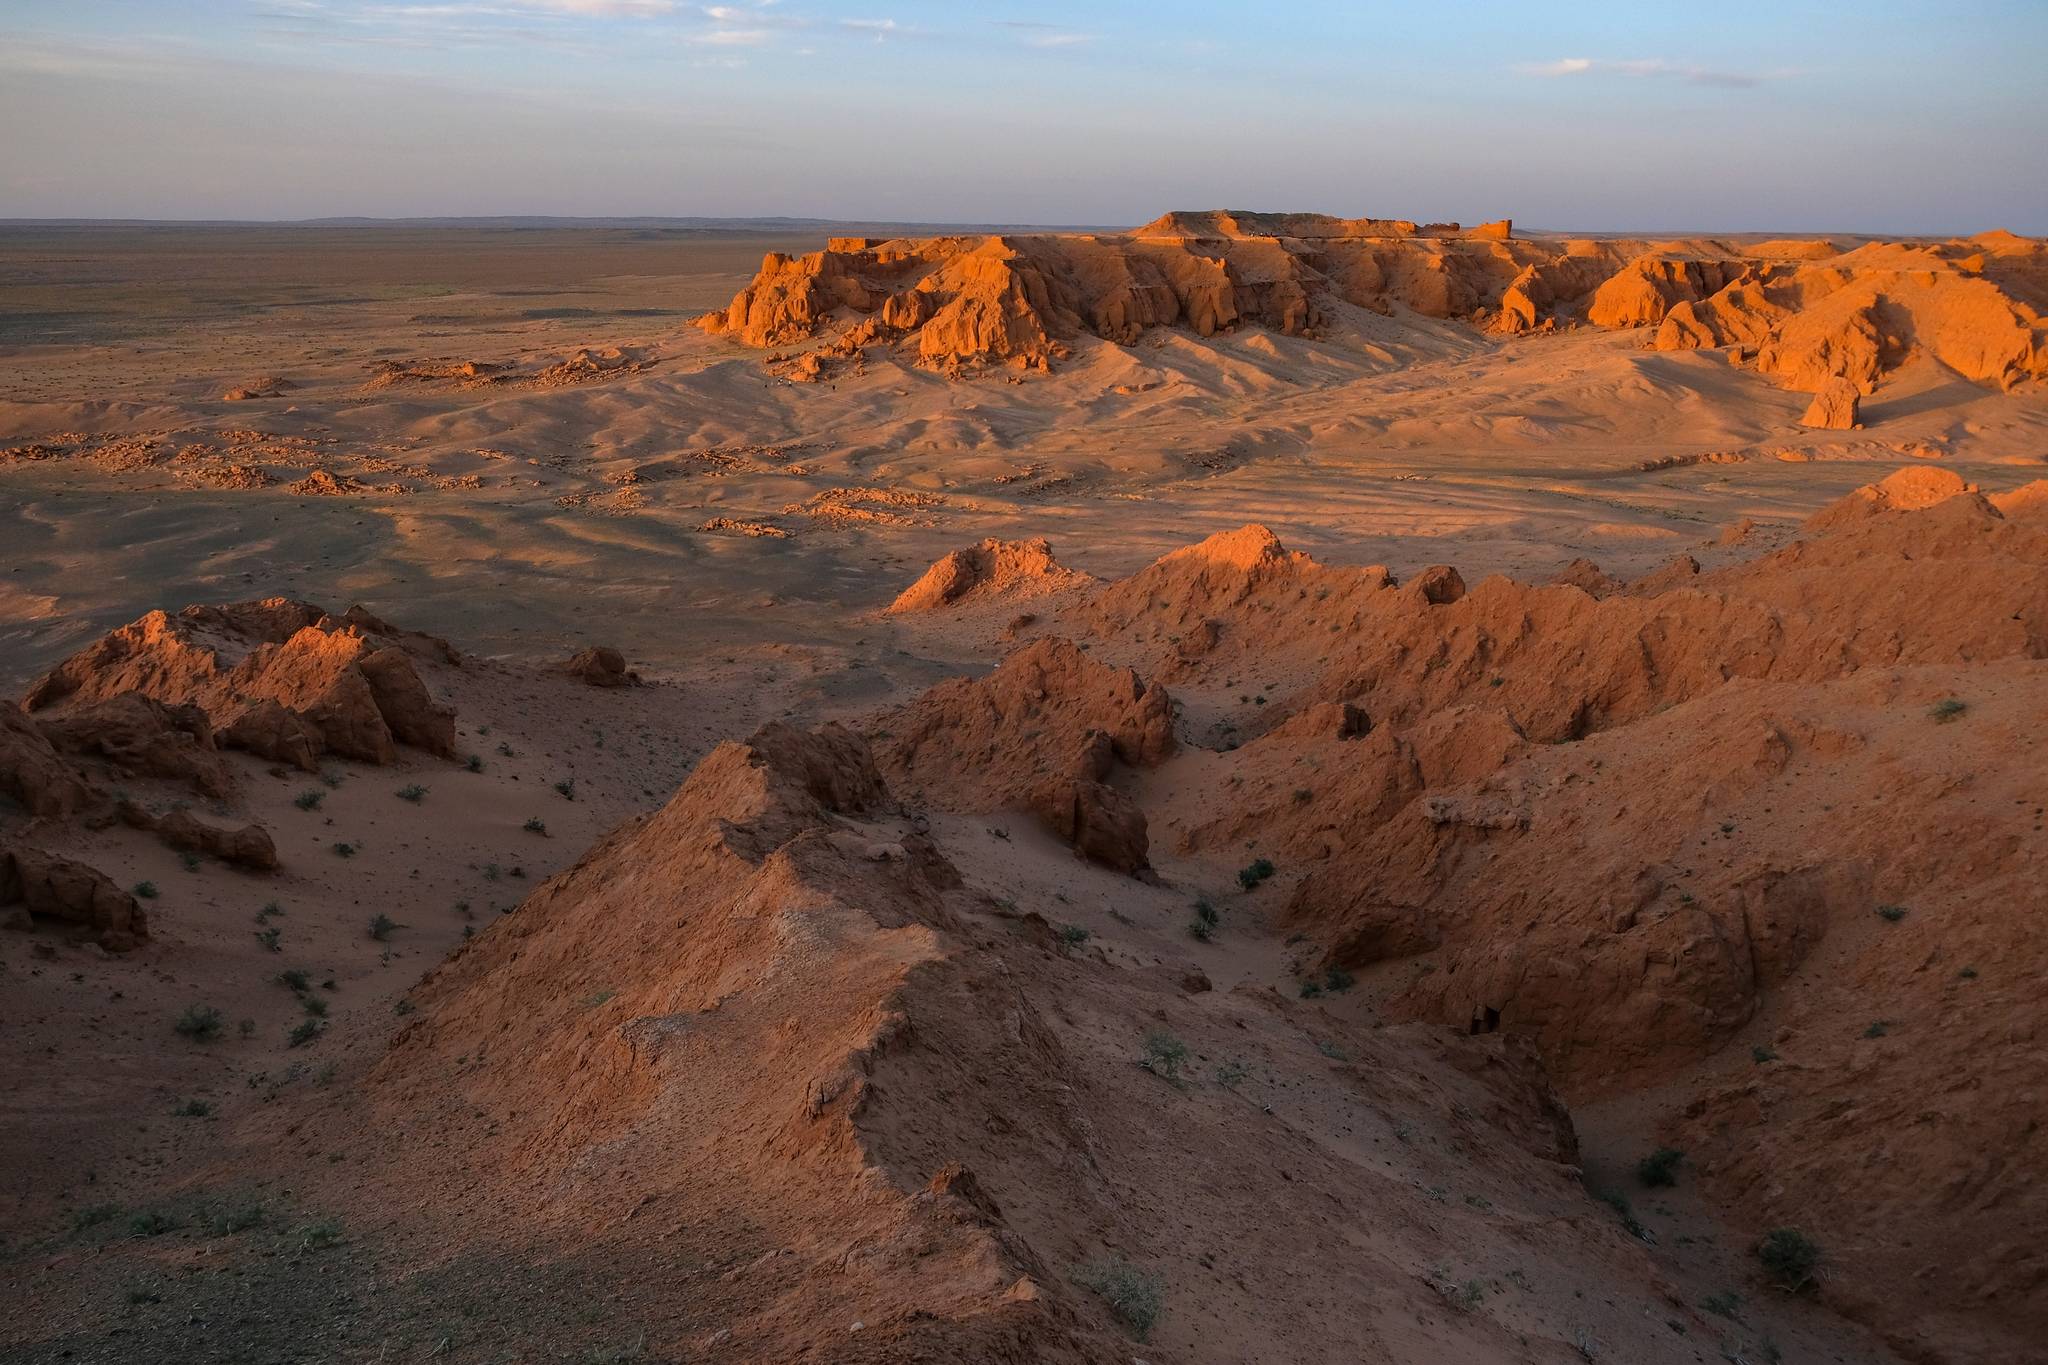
column 1896, row 117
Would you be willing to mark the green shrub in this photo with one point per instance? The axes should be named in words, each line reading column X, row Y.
column 1891, row 914
column 1164, row 1055
column 1254, row 872
column 150, row 1223
column 293, row 977
column 324, row 1233
column 414, row 793
column 193, row 1109
column 1789, row 1257
column 200, row 1023
column 309, row 799
column 1133, row 1296
column 1946, row 711
column 145, row 891
column 1660, row 1167
column 566, row 789
column 304, row 1032
column 381, row 926
column 536, row 825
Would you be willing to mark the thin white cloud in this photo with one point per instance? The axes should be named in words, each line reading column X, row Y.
column 1690, row 72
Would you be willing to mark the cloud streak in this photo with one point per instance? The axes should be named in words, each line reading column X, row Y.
column 1692, row 73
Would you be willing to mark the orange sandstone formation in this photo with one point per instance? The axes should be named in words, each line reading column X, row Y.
column 1805, row 313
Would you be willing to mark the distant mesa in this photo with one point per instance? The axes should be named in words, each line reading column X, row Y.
column 1804, row 312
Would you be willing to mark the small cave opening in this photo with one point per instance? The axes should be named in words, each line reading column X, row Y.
column 1486, row 1019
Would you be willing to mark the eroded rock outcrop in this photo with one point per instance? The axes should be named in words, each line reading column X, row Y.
column 1043, row 732
column 993, row 568
column 1806, row 313
column 279, row 678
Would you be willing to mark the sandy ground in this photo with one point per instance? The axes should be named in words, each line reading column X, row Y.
column 523, row 516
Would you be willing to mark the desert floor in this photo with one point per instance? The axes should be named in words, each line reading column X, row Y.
column 736, row 536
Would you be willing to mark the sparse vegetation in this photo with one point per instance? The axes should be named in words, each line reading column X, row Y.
column 344, row 849
column 1790, row 1258
column 309, row 799
column 566, row 789
column 535, row 825
column 189, row 860
column 1165, row 1055
column 314, row 1006
column 1203, row 926
column 412, row 792
column 1727, row 1304
column 1618, row 1201
column 1133, row 1296
column 1878, row 1028
column 200, row 1023
column 1891, row 914
column 1232, row 1074
column 1761, row 1054
column 1252, row 873
column 145, row 891
column 193, row 1109
column 324, row 1233
column 235, row 1220
column 269, row 939
column 293, row 977
column 150, row 1223
column 92, row 1215
column 1946, row 711
column 381, row 926
column 1072, row 936
column 303, row 1032
column 474, row 763
column 1660, row 1167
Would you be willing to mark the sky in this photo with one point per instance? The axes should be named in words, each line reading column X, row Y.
column 1735, row 116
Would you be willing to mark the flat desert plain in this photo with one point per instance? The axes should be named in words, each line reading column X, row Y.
column 1260, row 787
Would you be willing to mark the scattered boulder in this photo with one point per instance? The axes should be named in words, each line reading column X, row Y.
column 59, row 888
column 600, row 666
column 1834, row 408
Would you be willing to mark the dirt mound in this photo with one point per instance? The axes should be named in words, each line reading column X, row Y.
column 278, row 678
column 1910, row 489
column 993, row 568
column 1043, row 732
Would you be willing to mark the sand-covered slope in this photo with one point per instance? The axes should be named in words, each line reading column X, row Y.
column 1802, row 312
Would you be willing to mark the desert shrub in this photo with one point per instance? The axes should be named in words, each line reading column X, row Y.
column 193, row 1109
column 1660, row 1167
column 1252, row 873
column 303, row 1032
column 381, row 926
column 151, row 1223
column 1133, row 1296
column 294, row 978
column 145, row 891
column 309, row 799
column 1946, row 711
column 566, row 789
column 1073, row 935
column 413, row 792
column 324, row 1233
column 344, row 849
column 235, row 1220
column 1164, row 1055
column 1761, row 1054
column 1891, row 914
column 1727, row 1304
column 200, row 1023
column 1789, row 1257
column 475, row 763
